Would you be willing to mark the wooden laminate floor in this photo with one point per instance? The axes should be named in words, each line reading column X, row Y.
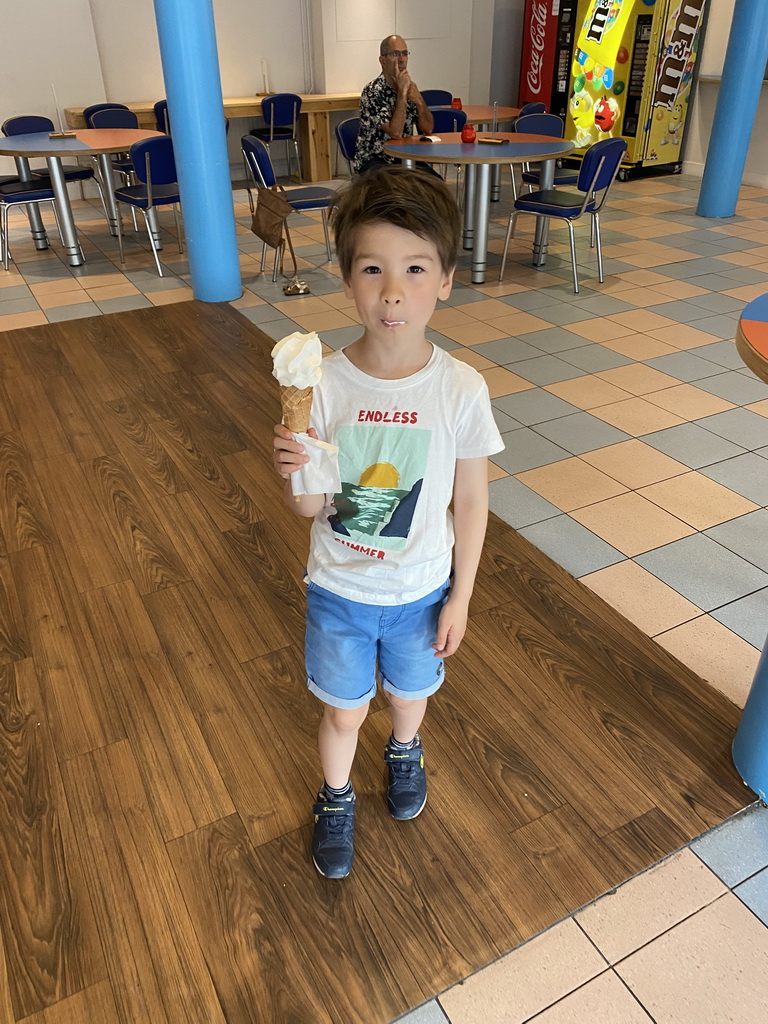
column 157, row 744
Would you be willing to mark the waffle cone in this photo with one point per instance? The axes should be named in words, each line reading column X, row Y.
column 297, row 405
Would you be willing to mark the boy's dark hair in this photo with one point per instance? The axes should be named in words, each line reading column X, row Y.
column 417, row 202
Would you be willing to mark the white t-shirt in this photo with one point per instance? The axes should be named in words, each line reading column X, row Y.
column 389, row 536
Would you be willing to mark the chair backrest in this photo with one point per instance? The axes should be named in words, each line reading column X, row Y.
column 94, row 107
column 162, row 166
column 599, row 166
column 346, row 136
column 114, row 117
column 27, row 124
column 533, row 108
column 449, row 120
column 540, row 124
column 161, row 116
column 281, row 108
column 257, row 162
column 436, row 97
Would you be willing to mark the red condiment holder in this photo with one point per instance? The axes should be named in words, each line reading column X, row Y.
column 468, row 133
column 456, row 103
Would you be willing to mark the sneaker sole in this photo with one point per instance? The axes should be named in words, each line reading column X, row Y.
column 410, row 816
column 332, row 878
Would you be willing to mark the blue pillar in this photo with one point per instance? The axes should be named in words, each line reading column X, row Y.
column 750, row 745
column 196, row 114
column 737, row 101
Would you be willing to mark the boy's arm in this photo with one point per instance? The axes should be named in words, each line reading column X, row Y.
column 470, row 518
column 288, row 456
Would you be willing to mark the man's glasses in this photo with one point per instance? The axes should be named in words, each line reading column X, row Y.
column 398, row 53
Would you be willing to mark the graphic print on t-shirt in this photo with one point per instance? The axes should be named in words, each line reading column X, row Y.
column 382, row 471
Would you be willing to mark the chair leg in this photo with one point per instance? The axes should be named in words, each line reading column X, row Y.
column 325, row 232
column 514, row 181
column 264, row 257
column 510, row 234
column 58, row 225
column 598, row 242
column 119, row 225
column 573, row 256
column 298, row 160
column 4, row 236
column 152, row 242
column 177, row 222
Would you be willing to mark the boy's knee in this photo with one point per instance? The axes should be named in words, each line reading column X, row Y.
column 345, row 719
column 398, row 702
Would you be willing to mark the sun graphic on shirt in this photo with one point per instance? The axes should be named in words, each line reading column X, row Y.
column 380, row 474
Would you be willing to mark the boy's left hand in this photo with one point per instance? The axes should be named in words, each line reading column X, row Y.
column 451, row 627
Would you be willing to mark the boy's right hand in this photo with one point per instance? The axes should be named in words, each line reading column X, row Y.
column 288, row 455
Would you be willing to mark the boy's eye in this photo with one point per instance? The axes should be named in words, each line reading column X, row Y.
column 415, row 270
column 371, row 270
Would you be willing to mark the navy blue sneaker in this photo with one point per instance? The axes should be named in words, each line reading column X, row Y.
column 407, row 786
column 333, row 840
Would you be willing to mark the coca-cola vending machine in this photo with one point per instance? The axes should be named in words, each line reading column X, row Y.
column 545, row 65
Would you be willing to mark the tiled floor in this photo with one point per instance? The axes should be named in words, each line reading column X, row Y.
column 637, row 457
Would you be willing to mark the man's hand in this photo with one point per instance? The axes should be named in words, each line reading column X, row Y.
column 403, row 81
column 288, row 455
column 451, row 627
column 413, row 92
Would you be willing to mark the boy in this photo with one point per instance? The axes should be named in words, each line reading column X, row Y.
column 414, row 428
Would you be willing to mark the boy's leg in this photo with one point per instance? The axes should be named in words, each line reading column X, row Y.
column 337, row 740
column 404, row 755
column 407, row 716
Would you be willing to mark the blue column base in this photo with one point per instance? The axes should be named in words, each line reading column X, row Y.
column 750, row 745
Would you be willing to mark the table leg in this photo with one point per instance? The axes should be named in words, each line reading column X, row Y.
column 469, row 205
column 315, row 145
column 64, row 210
column 496, row 183
column 107, row 184
column 36, row 225
column 480, row 247
column 546, row 180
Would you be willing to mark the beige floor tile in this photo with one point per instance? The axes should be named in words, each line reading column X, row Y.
column 599, row 329
column 639, row 346
column 643, row 278
column 486, row 309
column 631, row 523
column 527, row 980
column 503, row 382
column 11, row 278
column 111, row 291
column 759, row 407
column 715, row 653
column 710, row 969
column 697, row 500
column 519, row 323
column 634, row 463
column 688, row 401
column 323, row 321
column 680, row 290
column 650, row 904
column 646, row 259
column 587, row 392
column 68, row 298
column 746, row 292
column 636, row 416
column 67, row 284
column 683, row 337
column 304, row 306
column 338, row 300
column 468, row 355
column 570, row 484
column 15, row 321
column 604, row 1000
column 642, row 320
column 172, row 295
column 638, row 379
column 498, row 288
column 641, row 297
column 495, row 472
column 101, row 280
column 247, row 300
column 641, row 597
column 473, row 334
column 449, row 317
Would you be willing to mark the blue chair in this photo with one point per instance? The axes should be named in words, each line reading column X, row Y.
column 29, row 124
column 281, row 112
column 155, row 168
column 537, row 107
column 436, row 97
column 346, row 137
column 161, row 116
column 448, row 120
column 260, row 172
column 118, row 117
column 543, row 124
column 599, row 167
column 21, row 193
column 95, row 107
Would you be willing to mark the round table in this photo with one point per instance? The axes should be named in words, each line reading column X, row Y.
column 752, row 337
column 98, row 142
column 482, row 114
column 516, row 148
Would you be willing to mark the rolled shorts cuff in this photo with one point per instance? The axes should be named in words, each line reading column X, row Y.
column 340, row 702
column 426, row 691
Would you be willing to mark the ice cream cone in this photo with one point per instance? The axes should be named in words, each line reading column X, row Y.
column 297, row 405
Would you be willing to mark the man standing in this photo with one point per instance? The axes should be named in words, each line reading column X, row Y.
column 390, row 105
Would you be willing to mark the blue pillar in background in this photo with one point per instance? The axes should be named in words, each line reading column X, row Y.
column 737, row 102
column 196, row 114
column 750, row 745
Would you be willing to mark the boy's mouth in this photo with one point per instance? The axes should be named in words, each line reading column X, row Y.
column 393, row 323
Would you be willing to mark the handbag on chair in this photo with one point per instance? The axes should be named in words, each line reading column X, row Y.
column 269, row 223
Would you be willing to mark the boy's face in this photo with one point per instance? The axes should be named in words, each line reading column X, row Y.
column 395, row 279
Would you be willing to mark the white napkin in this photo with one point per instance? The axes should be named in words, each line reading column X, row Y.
column 321, row 474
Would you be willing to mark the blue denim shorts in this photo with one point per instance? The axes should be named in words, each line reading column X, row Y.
column 347, row 641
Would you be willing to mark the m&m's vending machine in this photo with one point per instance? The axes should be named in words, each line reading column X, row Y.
column 631, row 75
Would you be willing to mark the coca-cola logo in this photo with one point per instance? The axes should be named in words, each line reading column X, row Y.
column 538, row 37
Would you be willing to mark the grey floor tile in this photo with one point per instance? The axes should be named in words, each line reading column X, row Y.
column 507, row 350
column 74, row 312
column 45, row 270
column 564, row 313
column 528, row 450
column 278, row 329
column 16, row 291
column 680, row 310
column 746, row 275
column 703, row 571
column 581, row 433
column 461, row 294
column 448, row 344
column 24, row 304
column 743, row 427
column 717, row 303
column 684, row 366
column 763, row 452
column 261, row 314
column 504, row 422
column 722, row 325
column 723, row 353
column 547, row 370
column 552, row 339
column 735, row 387
column 695, row 268
column 693, row 446
column 534, row 406
column 123, row 303
column 571, row 545
column 746, row 475
column 738, row 848
column 517, row 504
column 429, row 1013
column 747, row 617
column 150, row 281
column 754, row 893
column 605, row 305
column 531, row 300
column 593, row 358
column 713, row 282
column 746, row 536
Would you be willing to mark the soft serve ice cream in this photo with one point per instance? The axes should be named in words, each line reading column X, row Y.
column 296, row 365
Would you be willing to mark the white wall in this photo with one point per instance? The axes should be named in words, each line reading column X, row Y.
column 508, row 30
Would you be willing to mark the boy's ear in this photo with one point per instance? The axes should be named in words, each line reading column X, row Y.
column 446, row 285
column 347, row 288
